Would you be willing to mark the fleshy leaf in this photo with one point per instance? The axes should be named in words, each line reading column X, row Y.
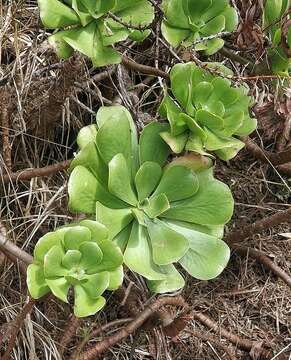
column 114, row 219
column 54, row 14
column 168, row 245
column 112, row 256
column 147, row 178
column 71, row 258
column 59, row 287
column 173, row 282
column 115, row 278
column 151, row 146
column 35, row 280
column 119, row 182
column 99, row 232
column 84, row 305
column 138, row 254
column 156, row 206
column 76, row 236
column 177, row 183
column 211, row 205
column 207, row 256
column 96, row 284
column 91, row 256
column 45, row 243
column 53, row 263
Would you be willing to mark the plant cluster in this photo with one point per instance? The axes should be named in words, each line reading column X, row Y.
column 205, row 113
column 189, row 21
column 78, row 256
column 157, row 213
column 86, row 26
column 276, row 22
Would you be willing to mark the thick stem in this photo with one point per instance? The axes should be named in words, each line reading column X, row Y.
column 144, row 69
column 69, row 332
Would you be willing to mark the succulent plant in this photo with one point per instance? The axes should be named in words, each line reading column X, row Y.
column 188, row 21
column 205, row 113
column 77, row 256
column 86, row 26
column 157, row 213
column 279, row 32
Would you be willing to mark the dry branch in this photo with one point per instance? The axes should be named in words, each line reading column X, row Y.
column 109, row 341
column 259, row 226
column 28, row 174
column 5, row 98
column 70, row 330
column 264, row 260
column 144, row 69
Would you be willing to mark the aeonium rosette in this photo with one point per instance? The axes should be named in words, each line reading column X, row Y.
column 78, row 256
column 91, row 27
column 206, row 113
column 159, row 214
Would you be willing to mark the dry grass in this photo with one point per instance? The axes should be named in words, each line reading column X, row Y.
column 48, row 110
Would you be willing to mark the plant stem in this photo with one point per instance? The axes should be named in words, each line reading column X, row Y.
column 236, row 58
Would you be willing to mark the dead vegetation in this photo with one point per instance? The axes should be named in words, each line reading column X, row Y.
column 243, row 314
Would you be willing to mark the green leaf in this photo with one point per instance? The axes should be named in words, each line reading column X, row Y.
column 147, row 178
column 62, row 49
column 119, row 182
column 151, row 146
column 121, row 238
column 175, row 142
column 215, row 142
column 44, row 244
column 53, row 262
column 72, row 258
column 168, row 245
column 96, row 284
column 87, row 135
column 175, row 15
column 156, row 206
column 59, row 287
column 138, row 12
column 207, row 256
column 231, row 19
column 35, row 280
column 112, row 256
column 138, row 254
column 173, row 35
column 84, row 14
column 115, row 278
column 91, row 160
column 54, row 14
column 84, row 190
column 194, row 162
column 172, row 112
column 210, row 120
column 117, row 135
column 99, row 232
column 91, row 257
column 193, row 126
column 173, row 282
column 214, row 26
column 217, row 7
column 84, row 305
column 213, row 46
column 272, row 11
column 201, row 92
column 75, row 236
column 114, row 219
column 195, row 9
column 224, row 92
column 211, row 205
column 177, row 183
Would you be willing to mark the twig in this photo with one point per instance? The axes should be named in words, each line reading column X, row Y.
column 109, row 341
column 128, row 25
column 28, row 174
column 237, row 58
column 264, row 260
column 276, row 159
column 144, row 69
column 7, row 246
column 244, row 344
column 16, row 327
column 70, row 330
column 259, row 226
column 95, row 333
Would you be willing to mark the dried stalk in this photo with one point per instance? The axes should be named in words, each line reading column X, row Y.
column 70, row 330
column 109, row 341
column 144, row 69
column 28, row 174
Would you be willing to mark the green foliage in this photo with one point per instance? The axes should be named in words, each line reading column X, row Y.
column 157, row 213
column 205, row 113
column 274, row 11
column 187, row 21
column 84, row 25
column 78, row 256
